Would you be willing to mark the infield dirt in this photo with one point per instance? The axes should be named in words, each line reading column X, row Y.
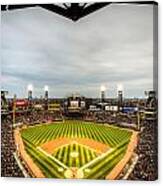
column 51, row 146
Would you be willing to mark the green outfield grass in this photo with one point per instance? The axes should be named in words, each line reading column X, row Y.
column 92, row 164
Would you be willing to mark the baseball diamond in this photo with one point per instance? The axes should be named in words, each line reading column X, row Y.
column 76, row 149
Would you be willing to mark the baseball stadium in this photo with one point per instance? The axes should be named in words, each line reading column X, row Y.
column 64, row 111
column 73, row 138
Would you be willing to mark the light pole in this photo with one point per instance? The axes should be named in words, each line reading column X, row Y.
column 102, row 92
column 120, row 95
column 46, row 89
column 30, row 91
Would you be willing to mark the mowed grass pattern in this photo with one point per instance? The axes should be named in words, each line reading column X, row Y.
column 85, row 155
column 116, row 138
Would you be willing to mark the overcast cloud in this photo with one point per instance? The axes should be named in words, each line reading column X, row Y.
column 113, row 45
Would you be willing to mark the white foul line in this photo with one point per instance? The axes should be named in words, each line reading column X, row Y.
column 50, row 156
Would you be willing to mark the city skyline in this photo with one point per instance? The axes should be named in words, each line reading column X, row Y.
column 111, row 46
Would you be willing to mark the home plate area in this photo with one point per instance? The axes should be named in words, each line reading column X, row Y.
column 74, row 154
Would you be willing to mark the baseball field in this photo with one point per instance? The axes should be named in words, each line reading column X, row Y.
column 76, row 149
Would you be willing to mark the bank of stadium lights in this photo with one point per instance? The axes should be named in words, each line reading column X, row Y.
column 30, row 90
column 119, row 87
column 102, row 88
column 30, row 87
column 102, row 91
column 46, row 88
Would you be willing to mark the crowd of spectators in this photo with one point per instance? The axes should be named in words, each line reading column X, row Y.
column 9, row 165
column 110, row 117
column 146, row 167
column 36, row 117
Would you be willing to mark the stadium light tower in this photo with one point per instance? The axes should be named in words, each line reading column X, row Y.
column 30, row 90
column 102, row 92
column 46, row 89
column 120, row 94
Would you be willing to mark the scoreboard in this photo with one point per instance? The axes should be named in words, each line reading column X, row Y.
column 74, row 104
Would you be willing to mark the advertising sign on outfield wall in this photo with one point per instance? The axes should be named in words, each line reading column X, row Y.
column 111, row 108
column 129, row 109
column 21, row 103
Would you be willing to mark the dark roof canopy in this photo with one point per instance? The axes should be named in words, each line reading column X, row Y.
column 73, row 11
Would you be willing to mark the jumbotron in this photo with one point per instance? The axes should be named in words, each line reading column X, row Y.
column 77, row 137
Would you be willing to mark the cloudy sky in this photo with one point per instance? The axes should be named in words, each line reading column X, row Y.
column 111, row 46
